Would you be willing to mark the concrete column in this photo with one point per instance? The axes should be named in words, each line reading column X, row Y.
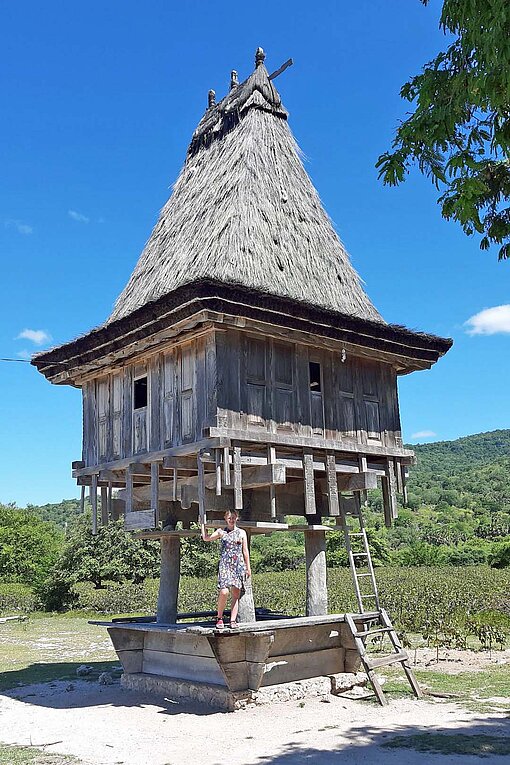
column 246, row 602
column 316, row 584
column 169, row 580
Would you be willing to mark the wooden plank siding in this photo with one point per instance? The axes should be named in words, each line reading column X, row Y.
column 181, row 402
column 265, row 385
column 247, row 383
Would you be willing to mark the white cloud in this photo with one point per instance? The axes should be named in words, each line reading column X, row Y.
column 24, row 354
column 37, row 336
column 21, row 228
column 77, row 216
column 490, row 321
column 423, row 434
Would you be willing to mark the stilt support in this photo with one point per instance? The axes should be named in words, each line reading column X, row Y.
column 169, row 580
column 316, row 586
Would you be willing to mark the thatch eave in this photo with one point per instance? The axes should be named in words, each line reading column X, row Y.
column 419, row 348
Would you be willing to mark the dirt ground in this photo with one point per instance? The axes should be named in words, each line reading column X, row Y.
column 454, row 661
column 105, row 725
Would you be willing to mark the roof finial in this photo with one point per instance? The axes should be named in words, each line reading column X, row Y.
column 211, row 98
column 259, row 57
column 233, row 79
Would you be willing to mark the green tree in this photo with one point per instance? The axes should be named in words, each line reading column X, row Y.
column 28, row 546
column 459, row 132
column 110, row 555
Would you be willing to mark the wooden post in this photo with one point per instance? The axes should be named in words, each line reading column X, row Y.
column 93, row 503
column 169, row 580
column 246, row 602
column 82, row 500
column 238, row 490
column 104, row 506
column 201, row 489
column 316, row 583
column 155, row 491
column 109, row 498
column 310, row 508
column 271, row 459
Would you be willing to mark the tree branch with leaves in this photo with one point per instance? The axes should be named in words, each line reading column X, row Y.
column 459, row 132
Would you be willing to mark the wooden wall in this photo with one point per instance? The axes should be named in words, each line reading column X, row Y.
column 175, row 414
column 230, row 378
column 268, row 385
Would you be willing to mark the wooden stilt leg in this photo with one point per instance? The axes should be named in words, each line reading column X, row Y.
column 169, row 580
column 93, row 503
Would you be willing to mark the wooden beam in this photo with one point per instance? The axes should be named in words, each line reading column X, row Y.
column 313, row 443
column 357, row 481
column 175, row 451
column 139, row 519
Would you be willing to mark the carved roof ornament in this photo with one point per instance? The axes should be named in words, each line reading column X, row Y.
column 260, row 57
column 211, row 99
column 233, row 79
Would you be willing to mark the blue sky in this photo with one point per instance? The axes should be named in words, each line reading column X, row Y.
column 101, row 100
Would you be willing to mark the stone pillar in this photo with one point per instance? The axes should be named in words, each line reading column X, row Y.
column 246, row 602
column 169, row 579
column 316, row 584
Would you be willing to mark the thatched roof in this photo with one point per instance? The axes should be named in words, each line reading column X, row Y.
column 244, row 211
column 410, row 350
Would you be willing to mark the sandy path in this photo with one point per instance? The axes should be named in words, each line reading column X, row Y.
column 107, row 726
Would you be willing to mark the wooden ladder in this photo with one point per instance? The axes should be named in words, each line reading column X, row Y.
column 372, row 622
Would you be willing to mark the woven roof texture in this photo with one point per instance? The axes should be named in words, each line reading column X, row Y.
column 244, row 211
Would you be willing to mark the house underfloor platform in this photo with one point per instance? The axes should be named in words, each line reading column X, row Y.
column 275, row 658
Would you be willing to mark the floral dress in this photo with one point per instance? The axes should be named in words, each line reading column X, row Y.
column 231, row 570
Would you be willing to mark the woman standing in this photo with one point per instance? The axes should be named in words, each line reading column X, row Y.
column 234, row 564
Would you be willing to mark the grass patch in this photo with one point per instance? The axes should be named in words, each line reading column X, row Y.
column 452, row 743
column 29, row 755
column 474, row 690
column 50, row 672
column 50, row 648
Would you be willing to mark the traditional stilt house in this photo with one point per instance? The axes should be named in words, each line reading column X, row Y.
column 244, row 367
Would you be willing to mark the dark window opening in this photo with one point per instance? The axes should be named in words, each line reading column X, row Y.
column 140, row 393
column 315, row 376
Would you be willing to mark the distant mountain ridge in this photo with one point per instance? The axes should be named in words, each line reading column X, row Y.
column 463, row 453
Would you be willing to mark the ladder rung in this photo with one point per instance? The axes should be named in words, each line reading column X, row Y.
column 369, row 595
column 355, row 533
column 358, row 576
column 360, row 555
column 373, row 632
column 383, row 661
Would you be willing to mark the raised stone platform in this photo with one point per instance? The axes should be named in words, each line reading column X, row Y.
column 229, row 668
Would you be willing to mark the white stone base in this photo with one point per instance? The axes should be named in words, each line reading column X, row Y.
column 219, row 697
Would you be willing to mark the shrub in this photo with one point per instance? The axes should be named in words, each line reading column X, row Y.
column 17, row 597
column 499, row 556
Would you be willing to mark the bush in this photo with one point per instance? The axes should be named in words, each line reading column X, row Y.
column 499, row 557
column 17, row 597
column 55, row 593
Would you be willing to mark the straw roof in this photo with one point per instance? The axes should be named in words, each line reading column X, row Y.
column 244, row 212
